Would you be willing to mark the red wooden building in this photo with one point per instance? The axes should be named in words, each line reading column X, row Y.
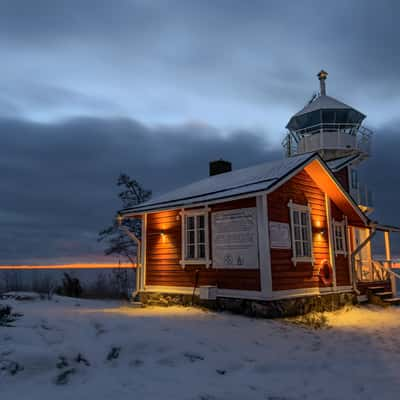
column 276, row 238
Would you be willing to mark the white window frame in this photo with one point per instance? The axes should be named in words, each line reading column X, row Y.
column 342, row 226
column 354, row 182
column 195, row 261
column 293, row 207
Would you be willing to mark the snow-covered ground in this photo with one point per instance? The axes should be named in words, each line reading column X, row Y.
column 85, row 349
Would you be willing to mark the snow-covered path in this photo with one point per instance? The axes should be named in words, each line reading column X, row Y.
column 102, row 350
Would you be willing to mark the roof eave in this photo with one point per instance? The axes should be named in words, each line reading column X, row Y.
column 364, row 218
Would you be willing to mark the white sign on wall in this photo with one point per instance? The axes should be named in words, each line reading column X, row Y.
column 279, row 235
column 234, row 239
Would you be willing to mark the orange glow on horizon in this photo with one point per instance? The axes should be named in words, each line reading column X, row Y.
column 68, row 266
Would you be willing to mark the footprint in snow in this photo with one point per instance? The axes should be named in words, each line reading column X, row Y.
column 162, row 349
column 168, row 361
column 62, row 362
column 6, row 353
column 205, row 396
column 45, row 325
column 113, row 354
column 80, row 359
column 136, row 363
column 11, row 367
column 192, row 357
column 316, row 346
column 64, row 377
column 263, row 368
column 51, row 336
column 99, row 328
column 173, row 361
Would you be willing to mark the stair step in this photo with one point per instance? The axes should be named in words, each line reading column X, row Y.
column 363, row 298
column 136, row 304
column 383, row 294
column 376, row 288
column 392, row 300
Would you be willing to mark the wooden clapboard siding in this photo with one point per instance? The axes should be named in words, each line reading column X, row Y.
column 301, row 189
column 163, row 255
column 343, row 177
column 341, row 260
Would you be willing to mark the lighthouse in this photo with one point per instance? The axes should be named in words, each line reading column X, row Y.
column 335, row 130
column 329, row 127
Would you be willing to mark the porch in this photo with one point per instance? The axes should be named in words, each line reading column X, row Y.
column 377, row 276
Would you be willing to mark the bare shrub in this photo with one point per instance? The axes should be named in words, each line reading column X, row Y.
column 71, row 286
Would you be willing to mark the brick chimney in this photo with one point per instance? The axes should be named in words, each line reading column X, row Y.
column 220, row 167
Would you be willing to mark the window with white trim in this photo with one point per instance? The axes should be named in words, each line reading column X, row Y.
column 354, row 178
column 195, row 237
column 300, row 220
column 339, row 236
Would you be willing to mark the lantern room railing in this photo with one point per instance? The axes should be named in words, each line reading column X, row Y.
column 340, row 136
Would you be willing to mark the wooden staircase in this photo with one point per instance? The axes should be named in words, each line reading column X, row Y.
column 380, row 296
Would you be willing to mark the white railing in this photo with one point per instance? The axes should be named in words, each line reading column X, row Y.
column 362, row 195
column 328, row 136
column 372, row 270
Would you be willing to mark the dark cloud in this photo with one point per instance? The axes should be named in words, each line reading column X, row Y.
column 380, row 173
column 230, row 63
column 206, row 79
column 57, row 181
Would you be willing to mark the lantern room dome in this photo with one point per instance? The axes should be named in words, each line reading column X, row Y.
column 327, row 126
column 324, row 110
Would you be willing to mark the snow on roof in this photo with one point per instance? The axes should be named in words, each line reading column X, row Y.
column 247, row 180
column 339, row 163
column 325, row 103
column 311, row 113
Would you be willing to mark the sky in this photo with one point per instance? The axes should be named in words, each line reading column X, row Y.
column 157, row 89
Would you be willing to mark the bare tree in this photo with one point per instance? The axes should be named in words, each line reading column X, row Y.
column 117, row 241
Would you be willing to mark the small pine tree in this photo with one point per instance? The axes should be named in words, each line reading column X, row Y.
column 117, row 241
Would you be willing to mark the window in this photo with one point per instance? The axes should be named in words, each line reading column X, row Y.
column 339, row 237
column 301, row 233
column 354, row 179
column 195, row 238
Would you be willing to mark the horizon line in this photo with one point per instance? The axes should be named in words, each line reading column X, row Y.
column 69, row 266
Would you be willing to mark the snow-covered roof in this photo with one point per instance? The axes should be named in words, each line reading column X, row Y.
column 307, row 117
column 230, row 184
column 339, row 163
column 324, row 103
